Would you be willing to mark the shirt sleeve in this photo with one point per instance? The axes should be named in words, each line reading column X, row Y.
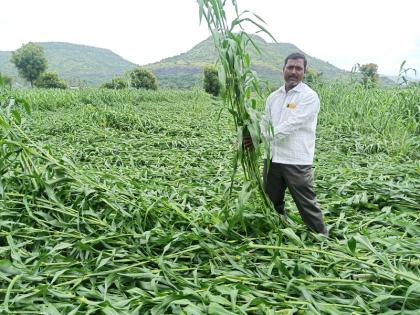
column 265, row 123
column 305, row 111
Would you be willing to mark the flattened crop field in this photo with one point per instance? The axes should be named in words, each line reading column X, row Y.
column 117, row 202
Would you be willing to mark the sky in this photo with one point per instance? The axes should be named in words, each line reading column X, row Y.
column 345, row 32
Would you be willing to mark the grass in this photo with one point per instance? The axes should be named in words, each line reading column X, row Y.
column 114, row 202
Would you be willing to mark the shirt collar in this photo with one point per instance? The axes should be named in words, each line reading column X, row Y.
column 298, row 88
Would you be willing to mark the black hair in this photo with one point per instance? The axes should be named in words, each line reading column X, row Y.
column 296, row 55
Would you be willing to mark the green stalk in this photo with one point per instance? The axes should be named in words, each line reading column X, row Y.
column 344, row 257
column 238, row 81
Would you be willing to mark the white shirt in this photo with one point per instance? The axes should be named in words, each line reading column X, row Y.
column 289, row 124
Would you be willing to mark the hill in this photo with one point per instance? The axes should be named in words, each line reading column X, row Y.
column 78, row 64
column 185, row 70
column 92, row 66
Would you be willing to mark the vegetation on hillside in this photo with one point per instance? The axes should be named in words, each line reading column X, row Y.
column 186, row 68
column 90, row 66
column 77, row 64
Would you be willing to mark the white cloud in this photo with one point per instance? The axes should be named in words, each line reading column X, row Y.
column 342, row 32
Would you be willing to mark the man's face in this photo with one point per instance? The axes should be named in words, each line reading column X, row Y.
column 293, row 72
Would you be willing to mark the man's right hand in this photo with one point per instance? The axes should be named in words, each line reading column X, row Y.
column 247, row 143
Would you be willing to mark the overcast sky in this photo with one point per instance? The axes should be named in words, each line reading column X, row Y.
column 342, row 32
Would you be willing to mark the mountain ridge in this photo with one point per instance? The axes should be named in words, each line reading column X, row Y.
column 188, row 65
column 76, row 63
column 84, row 65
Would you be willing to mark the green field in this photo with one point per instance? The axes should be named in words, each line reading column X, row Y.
column 117, row 202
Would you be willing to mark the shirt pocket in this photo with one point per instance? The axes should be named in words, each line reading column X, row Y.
column 287, row 110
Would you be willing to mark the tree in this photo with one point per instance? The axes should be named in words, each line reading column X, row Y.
column 211, row 82
column 50, row 80
column 142, row 79
column 370, row 74
column 116, row 83
column 30, row 61
column 312, row 76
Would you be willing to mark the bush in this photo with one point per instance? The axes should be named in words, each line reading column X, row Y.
column 116, row 83
column 312, row 76
column 5, row 80
column 142, row 79
column 50, row 80
column 211, row 82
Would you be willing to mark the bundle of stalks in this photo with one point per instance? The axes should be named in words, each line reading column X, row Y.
column 240, row 85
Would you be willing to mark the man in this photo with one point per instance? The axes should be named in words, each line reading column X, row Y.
column 289, row 124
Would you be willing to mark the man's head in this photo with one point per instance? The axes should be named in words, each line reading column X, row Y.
column 294, row 69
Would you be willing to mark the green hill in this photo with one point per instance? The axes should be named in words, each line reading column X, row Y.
column 185, row 70
column 77, row 64
column 86, row 65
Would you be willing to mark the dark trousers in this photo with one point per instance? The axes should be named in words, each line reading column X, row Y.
column 299, row 180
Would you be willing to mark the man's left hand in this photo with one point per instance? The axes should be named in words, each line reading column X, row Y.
column 247, row 143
